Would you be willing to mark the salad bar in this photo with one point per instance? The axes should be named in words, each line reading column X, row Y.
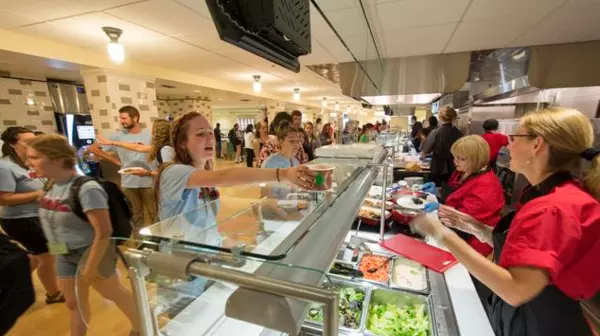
column 373, row 310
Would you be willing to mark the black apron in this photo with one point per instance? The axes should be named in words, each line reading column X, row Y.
column 551, row 313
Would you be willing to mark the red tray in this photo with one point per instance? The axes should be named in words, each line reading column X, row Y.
column 421, row 252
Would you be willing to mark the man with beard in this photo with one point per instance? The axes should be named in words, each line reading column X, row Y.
column 138, row 189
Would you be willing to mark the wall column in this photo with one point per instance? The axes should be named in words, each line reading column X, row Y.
column 107, row 91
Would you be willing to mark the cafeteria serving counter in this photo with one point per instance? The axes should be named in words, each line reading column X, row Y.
column 259, row 270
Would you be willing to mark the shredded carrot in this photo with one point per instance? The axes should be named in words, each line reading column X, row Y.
column 373, row 261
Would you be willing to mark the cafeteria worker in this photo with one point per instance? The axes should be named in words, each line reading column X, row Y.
column 546, row 255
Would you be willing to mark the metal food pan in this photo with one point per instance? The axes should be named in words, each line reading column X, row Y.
column 386, row 283
column 398, row 298
column 339, row 282
column 418, row 289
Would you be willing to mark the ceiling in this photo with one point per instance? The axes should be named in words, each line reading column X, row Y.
column 179, row 34
column 404, row 28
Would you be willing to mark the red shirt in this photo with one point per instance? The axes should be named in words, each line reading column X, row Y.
column 560, row 233
column 481, row 197
column 496, row 141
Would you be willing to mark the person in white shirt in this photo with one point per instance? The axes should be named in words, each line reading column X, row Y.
column 248, row 145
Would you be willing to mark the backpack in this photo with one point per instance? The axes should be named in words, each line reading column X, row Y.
column 118, row 206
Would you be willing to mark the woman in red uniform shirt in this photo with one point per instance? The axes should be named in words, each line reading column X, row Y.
column 546, row 255
column 494, row 139
column 474, row 188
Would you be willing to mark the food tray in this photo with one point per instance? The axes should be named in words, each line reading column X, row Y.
column 372, row 221
column 400, row 299
column 374, row 281
column 422, row 289
column 361, row 323
column 376, row 203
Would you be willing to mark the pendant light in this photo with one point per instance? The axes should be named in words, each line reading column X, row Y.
column 115, row 49
column 296, row 94
column 256, row 86
column 324, row 102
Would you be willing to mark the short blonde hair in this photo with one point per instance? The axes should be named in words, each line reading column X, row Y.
column 568, row 133
column 55, row 147
column 448, row 114
column 475, row 149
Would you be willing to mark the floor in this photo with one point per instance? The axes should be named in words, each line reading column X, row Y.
column 53, row 320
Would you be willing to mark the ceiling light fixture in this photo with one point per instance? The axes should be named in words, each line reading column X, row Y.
column 296, row 94
column 324, row 102
column 115, row 49
column 256, row 86
column 337, row 106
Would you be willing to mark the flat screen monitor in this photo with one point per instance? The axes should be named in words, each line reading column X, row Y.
column 86, row 132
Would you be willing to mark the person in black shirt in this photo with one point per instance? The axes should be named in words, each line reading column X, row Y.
column 218, row 140
column 417, row 126
column 438, row 143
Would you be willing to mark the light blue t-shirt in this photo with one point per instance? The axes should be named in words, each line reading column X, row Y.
column 279, row 161
column 15, row 179
column 175, row 198
column 60, row 224
column 167, row 154
column 130, row 158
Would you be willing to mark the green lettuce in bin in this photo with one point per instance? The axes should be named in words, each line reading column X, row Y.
column 390, row 320
column 350, row 308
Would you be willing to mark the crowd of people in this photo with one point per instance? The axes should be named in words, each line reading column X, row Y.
column 544, row 254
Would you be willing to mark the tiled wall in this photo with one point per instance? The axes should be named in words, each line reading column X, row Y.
column 107, row 92
column 26, row 103
column 178, row 107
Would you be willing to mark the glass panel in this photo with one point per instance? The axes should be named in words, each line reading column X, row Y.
column 191, row 306
column 258, row 227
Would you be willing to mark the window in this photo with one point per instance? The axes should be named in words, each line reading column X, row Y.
column 243, row 122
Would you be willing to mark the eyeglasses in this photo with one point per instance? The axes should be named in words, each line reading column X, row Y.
column 511, row 137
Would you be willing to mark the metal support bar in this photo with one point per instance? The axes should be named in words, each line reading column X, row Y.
column 142, row 305
column 192, row 266
column 383, row 202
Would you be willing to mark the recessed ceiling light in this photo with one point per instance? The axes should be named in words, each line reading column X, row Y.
column 115, row 49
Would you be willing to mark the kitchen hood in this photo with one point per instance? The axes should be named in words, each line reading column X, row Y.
column 533, row 73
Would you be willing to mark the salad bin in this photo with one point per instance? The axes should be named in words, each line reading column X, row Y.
column 388, row 310
column 352, row 307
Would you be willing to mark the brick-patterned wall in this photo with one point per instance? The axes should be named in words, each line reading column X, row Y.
column 107, row 92
column 274, row 107
column 26, row 103
column 178, row 107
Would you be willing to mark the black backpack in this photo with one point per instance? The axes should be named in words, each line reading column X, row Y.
column 118, row 206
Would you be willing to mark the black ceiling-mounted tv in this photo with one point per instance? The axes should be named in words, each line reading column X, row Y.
column 277, row 30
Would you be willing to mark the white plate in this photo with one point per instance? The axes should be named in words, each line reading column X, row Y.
column 125, row 172
column 407, row 202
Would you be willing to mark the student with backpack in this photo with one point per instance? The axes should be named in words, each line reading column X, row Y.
column 78, row 216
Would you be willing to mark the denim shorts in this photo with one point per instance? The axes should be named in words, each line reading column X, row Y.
column 67, row 265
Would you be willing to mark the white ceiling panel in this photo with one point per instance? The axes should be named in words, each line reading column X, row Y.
column 12, row 20
column 164, row 16
column 415, row 13
column 517, row 10
column 335, row 5
column 575, row 21
column 319, row 55
column 198, row 6
column 417, row 41
column 484, row 34
column 208, row 39
column 165, row 51
column 85, row 31
column 45, row 10
column 348, row 21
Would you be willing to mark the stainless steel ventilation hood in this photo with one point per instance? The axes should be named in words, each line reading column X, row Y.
column 529, row 71
column 400, row 81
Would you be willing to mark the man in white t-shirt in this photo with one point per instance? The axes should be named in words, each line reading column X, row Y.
column 138, row 189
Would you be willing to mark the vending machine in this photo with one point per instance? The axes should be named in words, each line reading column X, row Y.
column 73, row 120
